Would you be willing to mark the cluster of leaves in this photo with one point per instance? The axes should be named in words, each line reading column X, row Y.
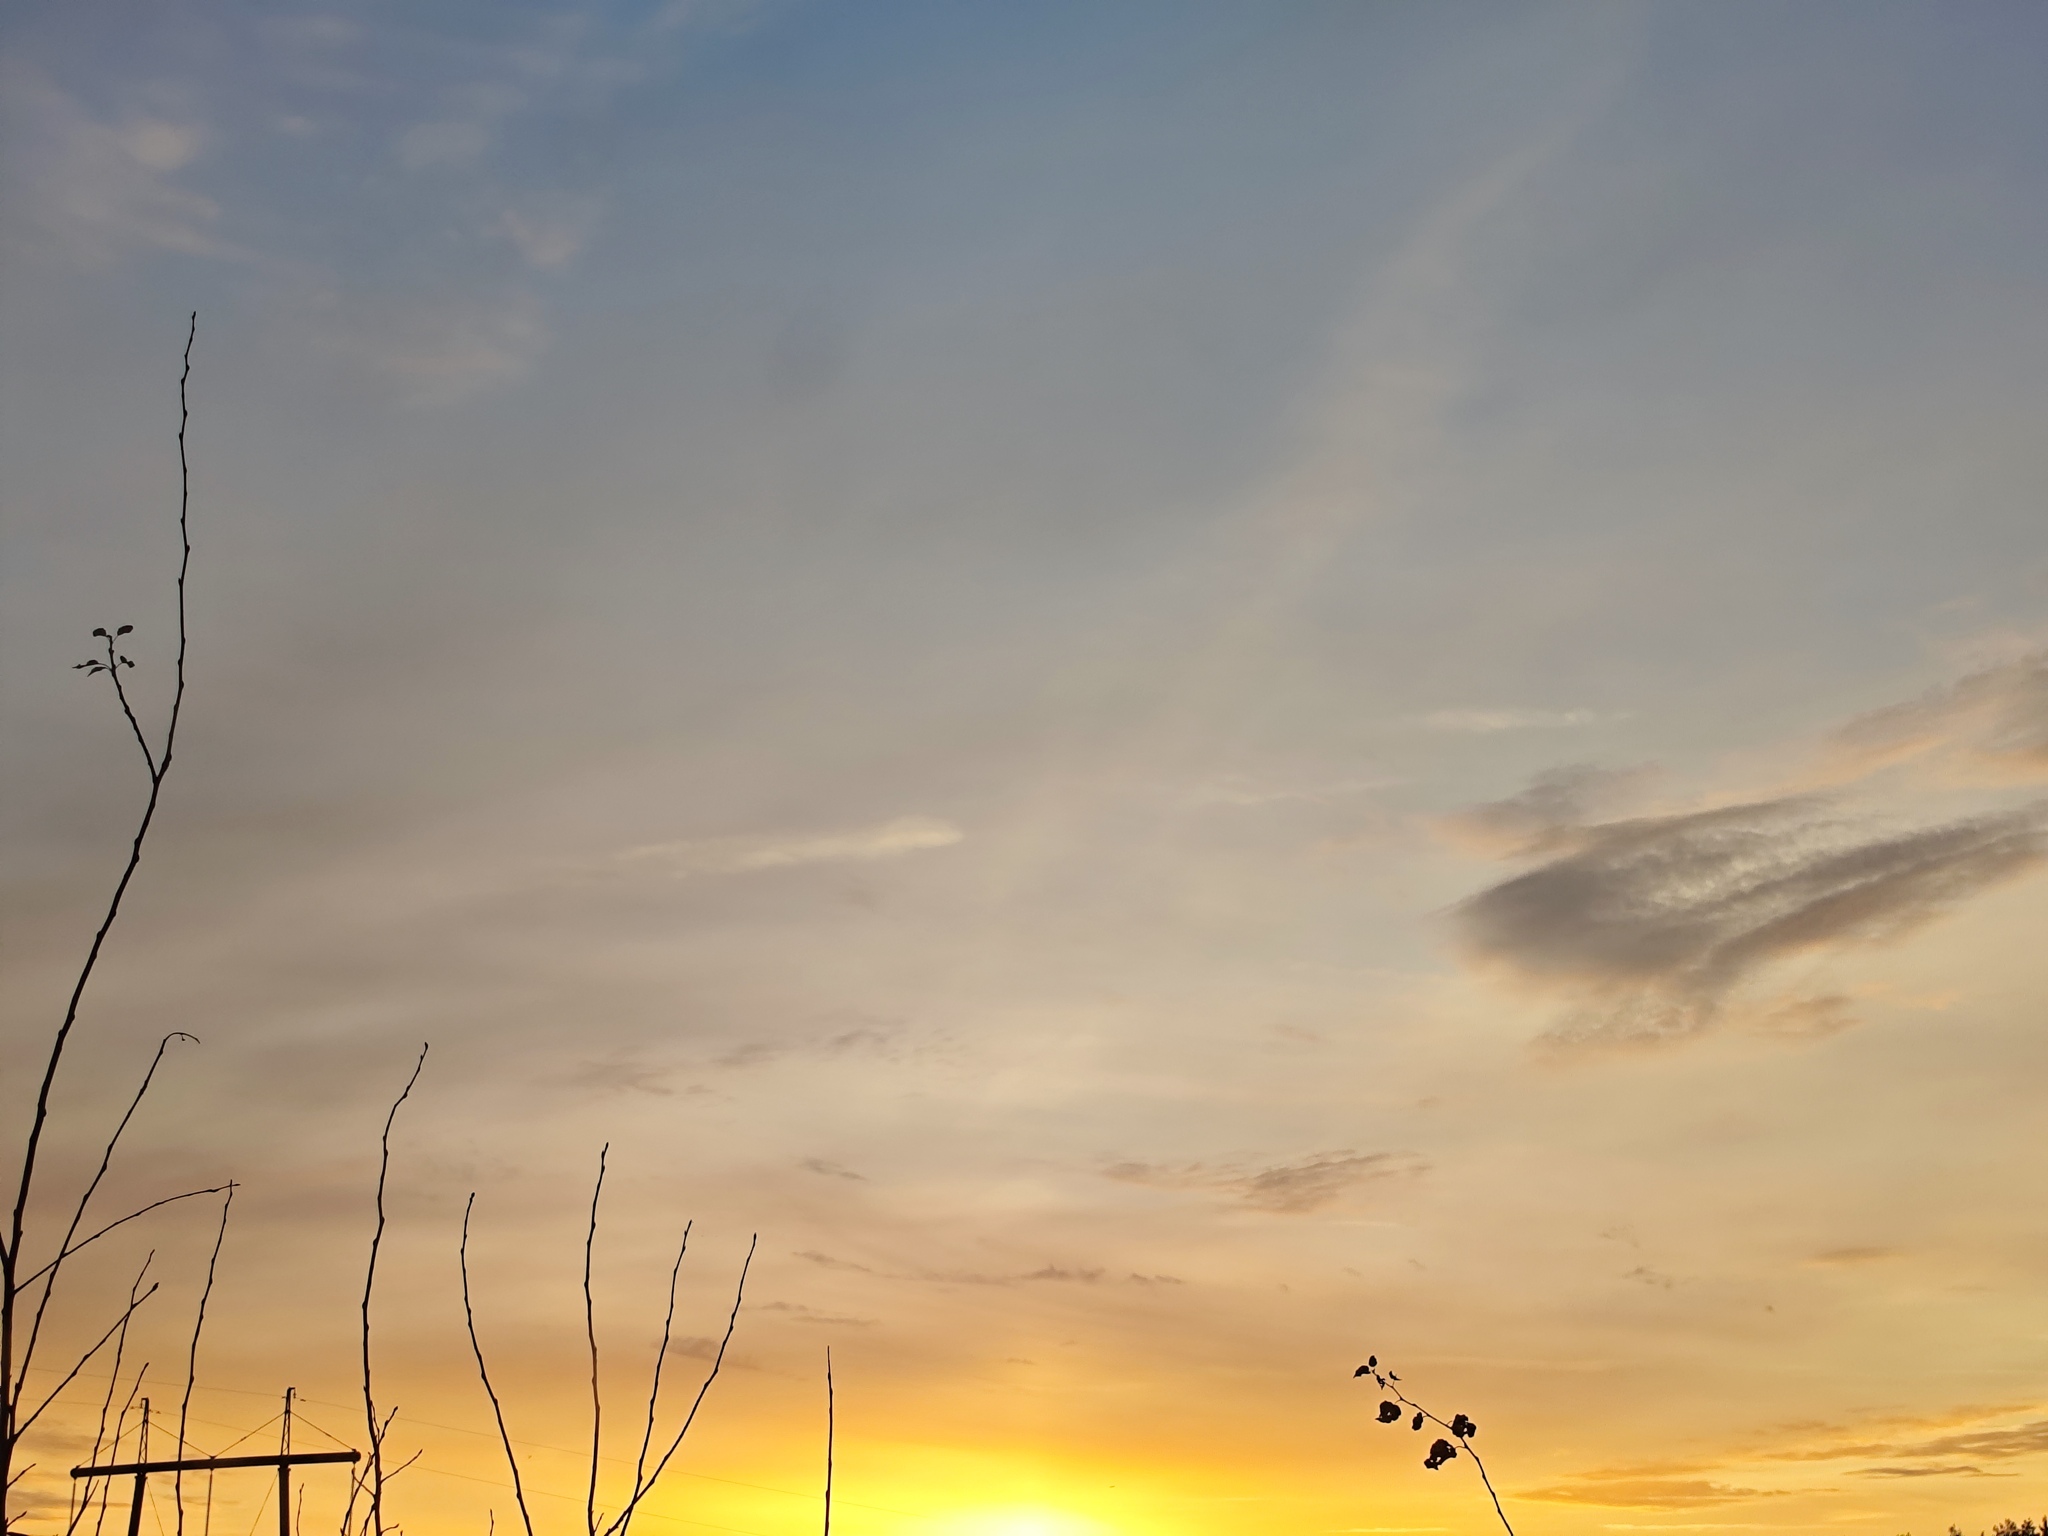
column 1392, row 1410
column 114, row 658
column 1397, row 1405
column 2013, row 1528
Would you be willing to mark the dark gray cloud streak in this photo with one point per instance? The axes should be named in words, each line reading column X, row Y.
column 1659, row 920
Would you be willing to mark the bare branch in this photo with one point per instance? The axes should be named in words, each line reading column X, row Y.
column 590, row 1332
column 106, row 1484
column 641, row 1489
column 376, row 1463
column 660, row 1355
column 483, row 1373
column 99, row 1434
column 22, row 1425
column 11, row 1387
column 190, row 1194
column 65, row 1248
column 192, row 1355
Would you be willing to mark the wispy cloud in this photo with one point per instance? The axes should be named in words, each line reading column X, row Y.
column 830, row 1170
column 1306, row 1184
column 436, row 351
column 797, row 1312
column 1239, row 790
column 1488, row 721
column 1557, row 803
column 1844, row 1258
column 732, row 856
column 1991, row 724
column 1985, row 1443
column 1626, row 1491
column 98, row 188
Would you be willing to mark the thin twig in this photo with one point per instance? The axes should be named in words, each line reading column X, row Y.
column 192, row 1356
column 619, row 1526
column 113, row 664
column 376, row 1466
column 99, row 1434
column 590, row 1332
column 483, row 1372
column 660, row 1355
column 65, row 1248
column 1387, row 1385
column 830, row 1434
column 107, row 1483
column 12, row 1379
column 23, row 1425
column 154, row 1205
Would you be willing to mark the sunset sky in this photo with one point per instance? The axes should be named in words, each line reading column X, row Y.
column 1180, row 691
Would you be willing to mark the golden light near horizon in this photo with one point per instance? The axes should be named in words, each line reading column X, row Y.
column 1019, row 1521
column 1136, row 700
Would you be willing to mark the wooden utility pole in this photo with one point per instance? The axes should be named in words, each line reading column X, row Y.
column 284, row 1461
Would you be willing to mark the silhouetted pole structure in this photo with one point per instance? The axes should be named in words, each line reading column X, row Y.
column 283, row 1461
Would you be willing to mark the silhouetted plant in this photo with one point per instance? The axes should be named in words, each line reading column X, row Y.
column 644, row 1476
column 1397, row 1405
column 26, row 1289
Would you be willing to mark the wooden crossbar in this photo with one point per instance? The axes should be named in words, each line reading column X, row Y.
column 210, row 1463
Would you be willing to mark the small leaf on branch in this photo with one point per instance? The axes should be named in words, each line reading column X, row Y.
column 101, row 633
column 1389, row 1412
column 124, row 629
column 1363, row 1370
column 1418, row 1422
column 1463, row 1427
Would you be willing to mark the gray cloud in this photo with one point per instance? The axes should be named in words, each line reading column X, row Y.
column 800, row 1313
column 1083, row 1274
column 1627, row 1491
column 2029, row 1439
column 830, row 1170
column 1964, row 1471
column 1306, row 1184
column 827, row 1261
column 1993, row 722
column 1842, row 1258
column 1557, row 802
column 1661, row 918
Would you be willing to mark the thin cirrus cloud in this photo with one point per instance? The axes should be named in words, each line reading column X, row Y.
column 1915, row 1447
column 98, row 189
column 1623, row 1491
column 1991, row 724
column 1293, row 1188
column 744, row 855
column 1658, row 925
column 1486, row 722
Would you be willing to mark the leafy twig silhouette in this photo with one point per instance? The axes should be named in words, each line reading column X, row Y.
column 1397, row 1405
column 27, row 1288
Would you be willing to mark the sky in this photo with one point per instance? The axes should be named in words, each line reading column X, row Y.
column 1171, row 693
